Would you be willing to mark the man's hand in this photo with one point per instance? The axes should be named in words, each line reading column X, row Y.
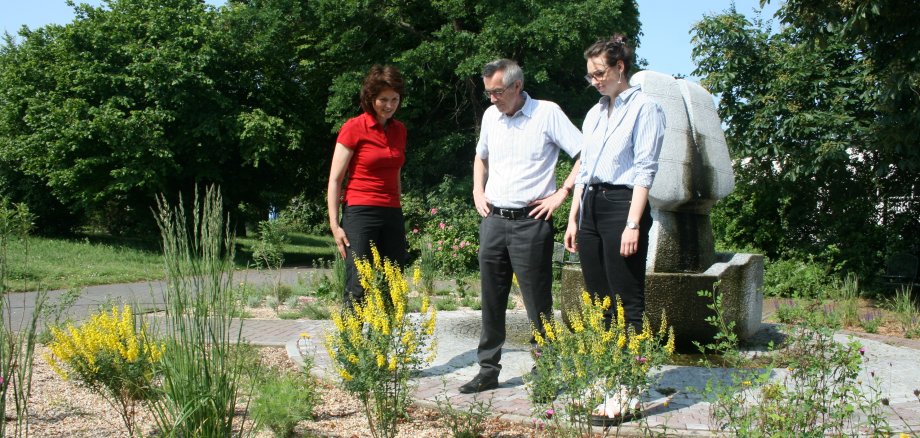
column 546, row 206
column 483, row 206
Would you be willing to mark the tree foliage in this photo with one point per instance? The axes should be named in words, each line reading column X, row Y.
column 139, row 97
column 813, row 170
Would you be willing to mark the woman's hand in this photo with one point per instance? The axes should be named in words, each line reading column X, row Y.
column 341, row 241
column 571, row 233
column 629, row 242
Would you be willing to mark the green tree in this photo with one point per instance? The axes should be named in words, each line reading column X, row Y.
column 801, row 130
column 885, row 34
column 139, row 97
column 441, row 47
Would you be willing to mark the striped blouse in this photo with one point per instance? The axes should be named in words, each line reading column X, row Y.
column 623, row 148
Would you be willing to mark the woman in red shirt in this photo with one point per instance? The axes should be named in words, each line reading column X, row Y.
column 371, row 150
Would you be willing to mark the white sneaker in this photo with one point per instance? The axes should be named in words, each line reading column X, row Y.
column 617, row 404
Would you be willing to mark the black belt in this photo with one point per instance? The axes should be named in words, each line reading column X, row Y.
column 512, row 213
column 605, row 186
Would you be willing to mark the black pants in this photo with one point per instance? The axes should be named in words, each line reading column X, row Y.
column 365, row 225
column 523, row 247
column 607, row 273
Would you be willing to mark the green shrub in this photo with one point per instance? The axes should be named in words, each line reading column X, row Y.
column 818, row 394
column 585, row 362
column 268, row 251
column 112, row 356
column 797, row 278
column 377, row 345
column 444, row 221
column 281, row 401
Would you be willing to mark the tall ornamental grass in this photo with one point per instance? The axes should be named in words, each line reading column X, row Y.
column 17, row 337
column 377, row 345
column 579, row 366
column 203, row 372
column 112, row 356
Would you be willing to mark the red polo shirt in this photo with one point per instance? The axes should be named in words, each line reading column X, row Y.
column 378, row 155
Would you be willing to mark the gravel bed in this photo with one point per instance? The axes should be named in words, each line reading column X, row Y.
column 60, row 408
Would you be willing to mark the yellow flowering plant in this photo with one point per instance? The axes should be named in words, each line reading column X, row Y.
column 376, row 345
column 111, row 355
column 583, row 363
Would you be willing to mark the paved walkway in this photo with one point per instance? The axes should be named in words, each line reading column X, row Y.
column 895, row 361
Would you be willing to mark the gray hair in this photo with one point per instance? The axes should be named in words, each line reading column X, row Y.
column 512, row 71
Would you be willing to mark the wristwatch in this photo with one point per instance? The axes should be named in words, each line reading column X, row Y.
column 632, row 225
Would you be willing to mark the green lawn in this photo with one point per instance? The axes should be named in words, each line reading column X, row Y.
column 302, row 250
column 62, row 263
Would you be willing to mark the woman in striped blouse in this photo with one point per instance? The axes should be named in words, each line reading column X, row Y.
column 610, row 220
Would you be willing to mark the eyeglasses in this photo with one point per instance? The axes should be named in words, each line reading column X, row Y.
column 597, row 75
column 497, row 92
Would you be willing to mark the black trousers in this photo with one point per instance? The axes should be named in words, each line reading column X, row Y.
column 607, row 273
column 366, row 225
column 506, row 247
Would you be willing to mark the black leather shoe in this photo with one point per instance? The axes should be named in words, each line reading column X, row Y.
column 478, row 384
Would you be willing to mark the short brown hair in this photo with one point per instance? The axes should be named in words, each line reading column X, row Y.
column 616, row 48
column 380, row 78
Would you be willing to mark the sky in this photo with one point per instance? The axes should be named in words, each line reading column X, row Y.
column 665, row 24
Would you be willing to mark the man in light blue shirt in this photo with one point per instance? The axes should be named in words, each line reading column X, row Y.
column 514, row 189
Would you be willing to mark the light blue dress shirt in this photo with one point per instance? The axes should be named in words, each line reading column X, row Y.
column 622, row 148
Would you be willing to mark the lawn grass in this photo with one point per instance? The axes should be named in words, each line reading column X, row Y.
column 63, row 263
column 301, row 249
column 85, row 260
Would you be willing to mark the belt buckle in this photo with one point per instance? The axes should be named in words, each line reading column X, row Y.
column 507, row 213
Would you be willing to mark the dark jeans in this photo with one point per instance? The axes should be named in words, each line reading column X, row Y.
column 506, row 247
column 365, row 225
column 607, row 273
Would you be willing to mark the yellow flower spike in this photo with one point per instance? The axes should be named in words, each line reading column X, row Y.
column 538, row 338
column 664, row 323
column 548, row 330
column 392, row 364
column 345, row 375
column 621, row 314
column 606, row 303
column 621, row 341
column 585, row 298
column 607, row 337
column 380, row 360
column 577, row 325
column 425, row 304
column 669, row 346
column 375, row 254
column 416, row 275
column 337, row 322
